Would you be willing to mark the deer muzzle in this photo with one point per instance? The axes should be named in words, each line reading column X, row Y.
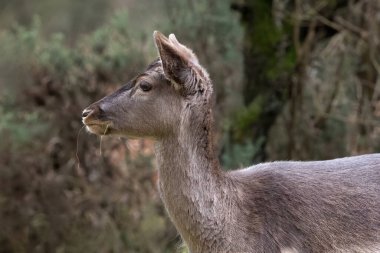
column 94, row 119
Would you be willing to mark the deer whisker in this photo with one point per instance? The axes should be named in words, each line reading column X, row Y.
column 101, row 140
column 77, row 150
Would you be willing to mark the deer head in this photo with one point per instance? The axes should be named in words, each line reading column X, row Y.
column 151, row 103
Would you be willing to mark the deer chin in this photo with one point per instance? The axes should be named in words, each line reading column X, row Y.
column 99, row 128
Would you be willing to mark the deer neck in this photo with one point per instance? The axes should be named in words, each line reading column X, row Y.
column 191, row 183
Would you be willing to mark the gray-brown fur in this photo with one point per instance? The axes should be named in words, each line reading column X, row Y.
column 280, row 207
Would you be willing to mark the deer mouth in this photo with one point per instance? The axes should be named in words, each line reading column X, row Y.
column 98, row 128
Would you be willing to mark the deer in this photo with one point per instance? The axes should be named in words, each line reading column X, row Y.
column 330, row 206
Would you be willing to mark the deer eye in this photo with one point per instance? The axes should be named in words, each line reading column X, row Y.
column 144, row 86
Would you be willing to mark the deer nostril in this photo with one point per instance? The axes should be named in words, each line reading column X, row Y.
column 86, row 112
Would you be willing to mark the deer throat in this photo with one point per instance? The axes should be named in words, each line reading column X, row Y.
column 194, row 193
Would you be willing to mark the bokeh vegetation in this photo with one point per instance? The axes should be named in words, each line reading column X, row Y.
column 293, row 80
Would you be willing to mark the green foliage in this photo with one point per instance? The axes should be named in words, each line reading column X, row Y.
column 265, row 34
column 109, row 48
column 20, row 128
column 246, row 117
column 282, row 66
column 238, row 151
column 265, row 38
column 58, row 194
column 217, row 44
column 75, row 202
column 240, row 155
column 56, row 57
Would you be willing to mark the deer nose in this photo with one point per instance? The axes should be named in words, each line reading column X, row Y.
column 86, row 112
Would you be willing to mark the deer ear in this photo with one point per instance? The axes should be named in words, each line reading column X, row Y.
column 177, row 60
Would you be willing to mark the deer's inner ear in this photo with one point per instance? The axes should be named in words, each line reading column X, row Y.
column 175, row 63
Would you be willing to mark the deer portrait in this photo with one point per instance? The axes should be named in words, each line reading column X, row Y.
column 330, row 206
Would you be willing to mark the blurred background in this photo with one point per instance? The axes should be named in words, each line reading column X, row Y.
column 294, row 79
